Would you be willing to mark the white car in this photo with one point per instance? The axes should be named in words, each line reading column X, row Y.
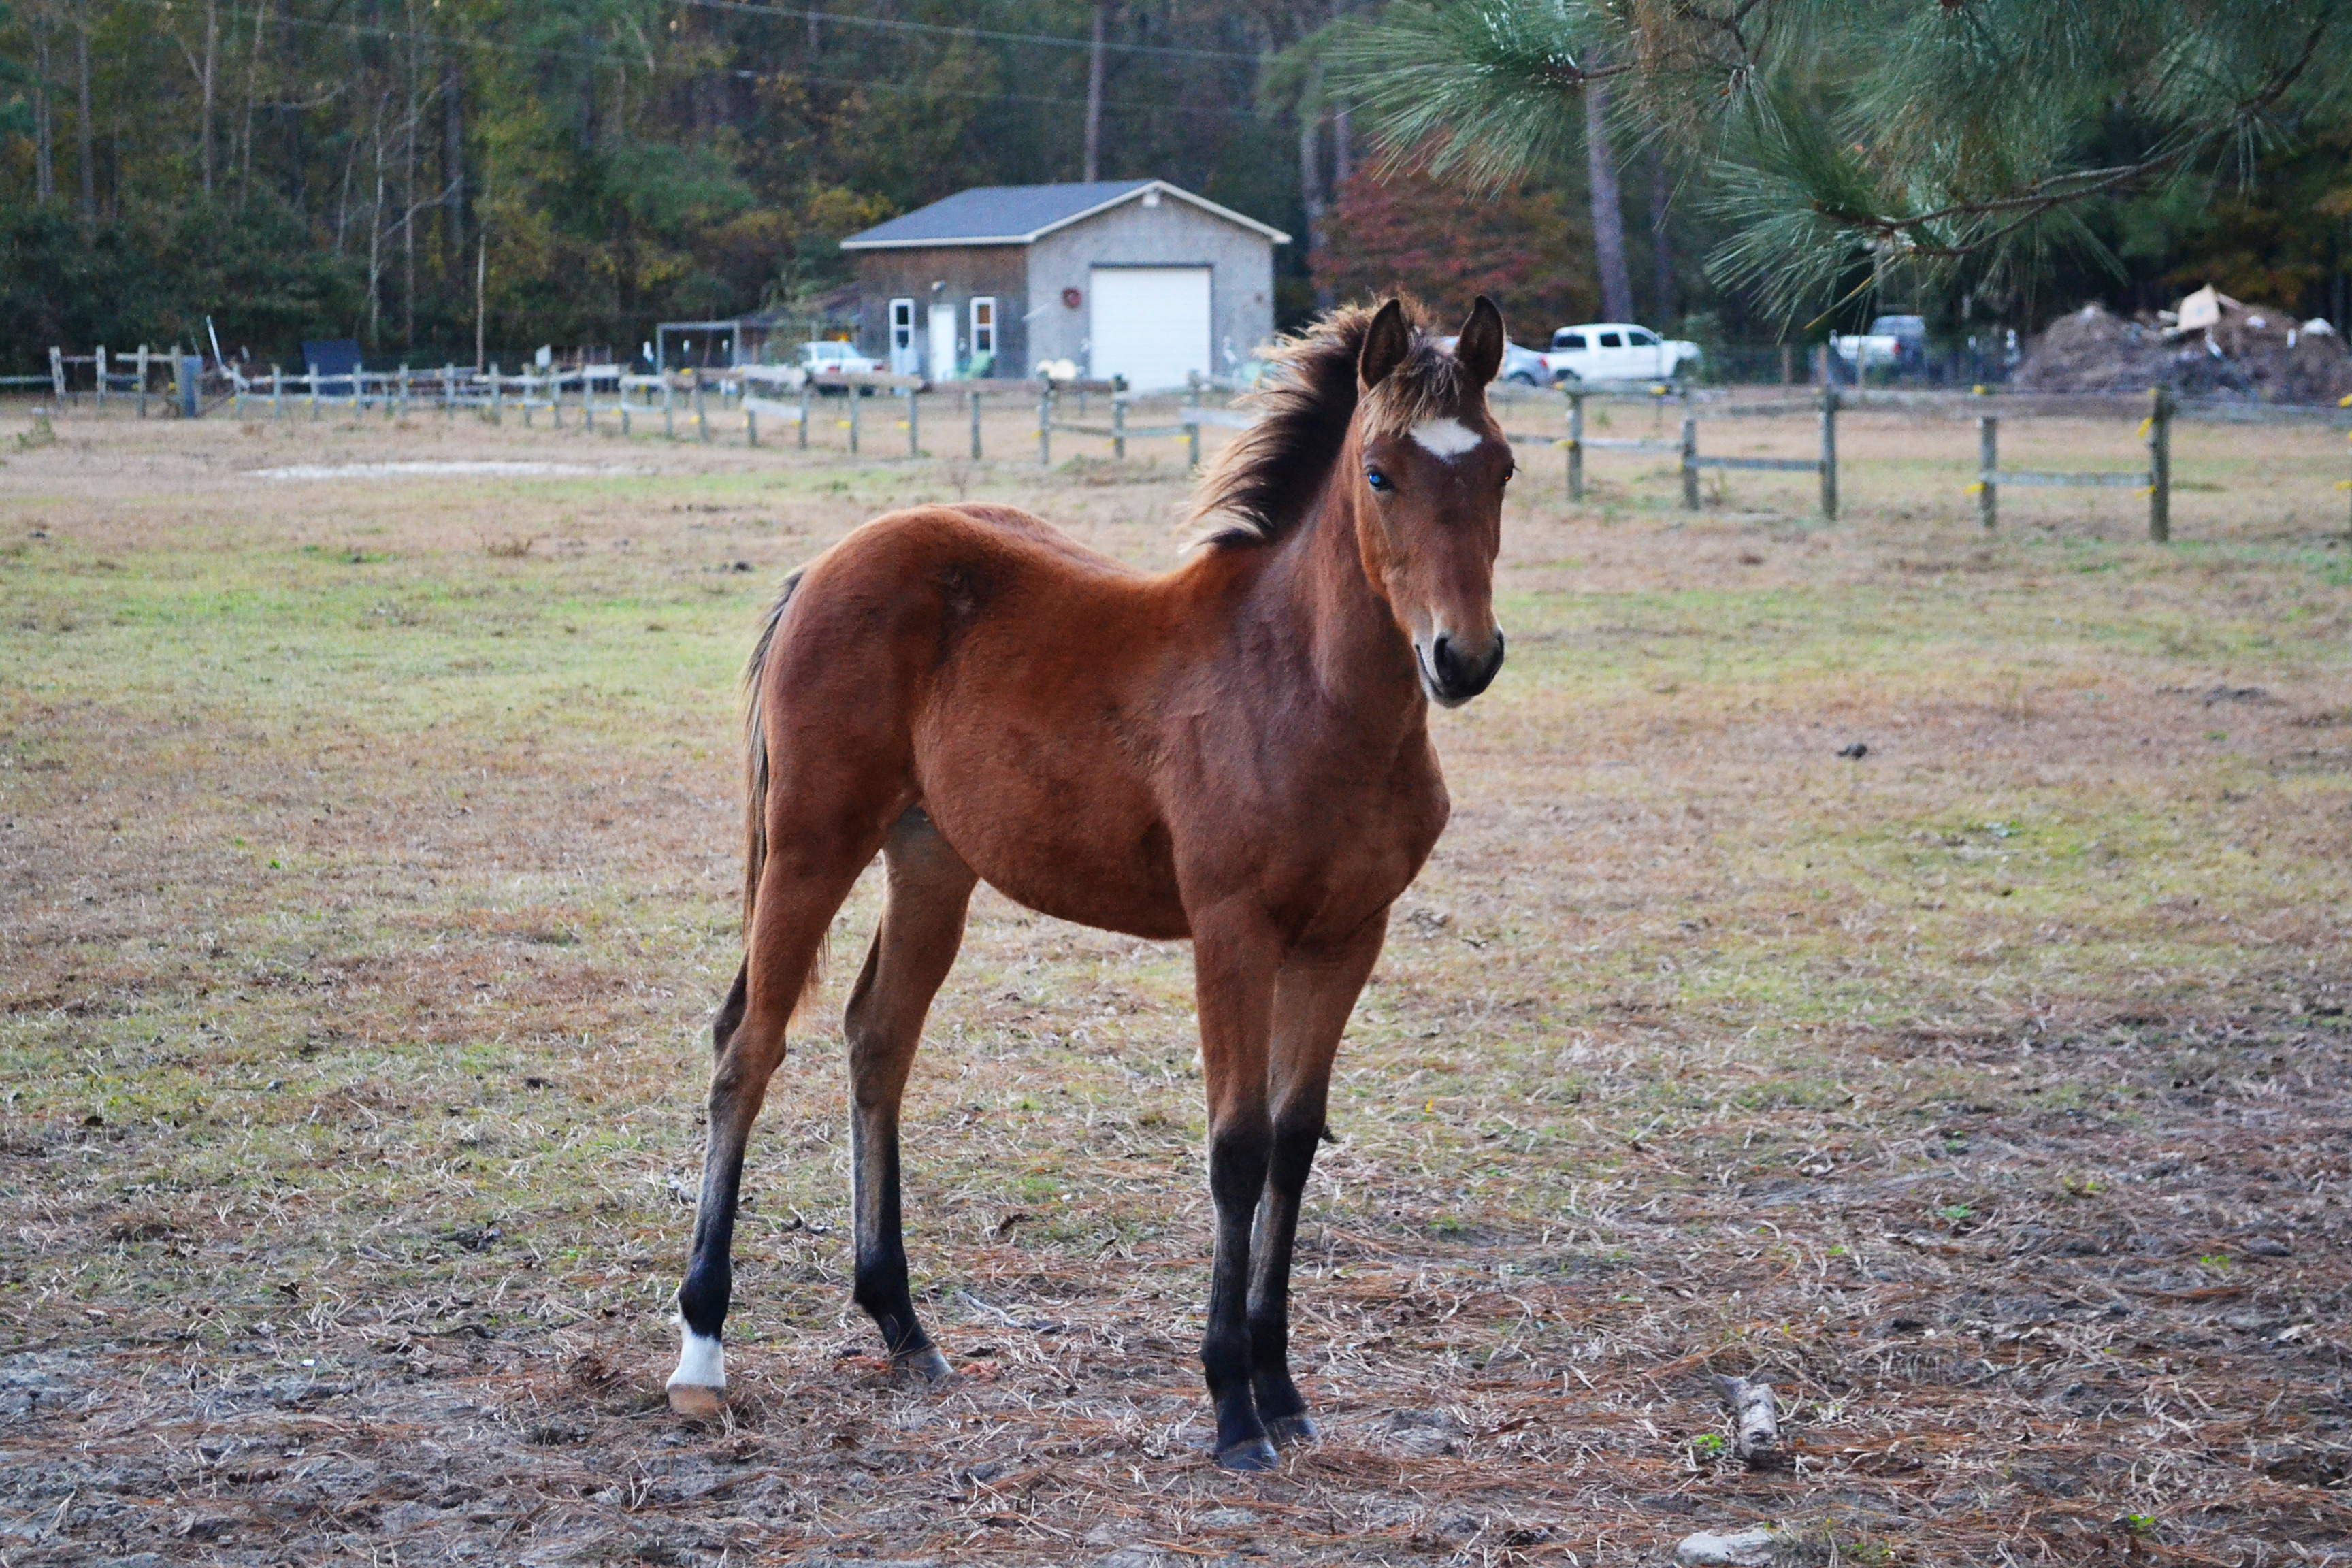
column 1615, row 351
column 820, row 359
column 1523, row 366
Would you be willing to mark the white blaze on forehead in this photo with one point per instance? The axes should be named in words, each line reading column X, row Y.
column 1446, row 438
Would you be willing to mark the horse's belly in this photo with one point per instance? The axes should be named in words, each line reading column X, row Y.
column 1094, row 852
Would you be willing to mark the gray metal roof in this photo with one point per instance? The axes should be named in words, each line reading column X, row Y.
column 1017, row 215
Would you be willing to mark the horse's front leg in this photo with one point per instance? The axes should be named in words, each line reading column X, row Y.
column 1234, row 962
column 1313, row 995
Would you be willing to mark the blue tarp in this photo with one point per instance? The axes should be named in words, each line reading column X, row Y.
column 331, row 356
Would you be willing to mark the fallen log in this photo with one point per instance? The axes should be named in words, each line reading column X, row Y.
column 1758, row 1441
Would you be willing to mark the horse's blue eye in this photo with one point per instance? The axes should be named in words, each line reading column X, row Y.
column 1377, row 480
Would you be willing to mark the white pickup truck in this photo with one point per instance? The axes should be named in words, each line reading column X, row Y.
column 818, row 358
column 1897, row 341
column 1615, row 351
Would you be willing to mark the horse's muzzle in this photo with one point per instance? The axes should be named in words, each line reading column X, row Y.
column 1452, row 676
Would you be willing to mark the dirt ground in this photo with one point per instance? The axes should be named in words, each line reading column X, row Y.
column 368, row 842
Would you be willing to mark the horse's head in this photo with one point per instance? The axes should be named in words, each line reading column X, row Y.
column 1430, row 491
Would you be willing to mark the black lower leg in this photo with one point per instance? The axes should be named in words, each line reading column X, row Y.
column 1237, row 1163
column 881, row 1287
column 702, row 1298
column 1279, row 1403
column 710, row 1274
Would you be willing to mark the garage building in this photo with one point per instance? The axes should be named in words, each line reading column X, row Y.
column 1123, row 277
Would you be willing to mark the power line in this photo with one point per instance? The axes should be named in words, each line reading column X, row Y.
column 602, row 55
column 879, row 24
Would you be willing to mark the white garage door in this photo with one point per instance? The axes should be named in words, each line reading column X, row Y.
column 1150, row 324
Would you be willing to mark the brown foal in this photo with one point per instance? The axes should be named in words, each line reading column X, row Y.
column 1235, row 752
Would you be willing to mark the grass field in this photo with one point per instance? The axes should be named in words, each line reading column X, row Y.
column 368, row 849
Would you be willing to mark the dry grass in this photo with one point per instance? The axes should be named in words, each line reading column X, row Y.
column 366, row 850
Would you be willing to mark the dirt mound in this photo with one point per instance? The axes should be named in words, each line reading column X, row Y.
column 2255, row 351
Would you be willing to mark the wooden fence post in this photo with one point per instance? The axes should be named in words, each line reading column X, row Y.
column 57, row 375
column 669, row 405
column 587, row 401
column 914, row 428
column 974, row 399
column 276, row 393
column 1829, row 441
column 142, row 381
column 309, row 376
column 101, row 375
column 1192, row 430
column 1575, row 445
column 1987, row 485
column 2159, row 465
column 498, row 395
column 751, row 422
column 1045, row 427
column 855, row 399
column 808, row 394
column 1690, row 453
column 1118, row 425
column 403, row 393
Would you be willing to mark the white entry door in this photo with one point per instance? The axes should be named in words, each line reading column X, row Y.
column 902, row 337
column 943, row 343
column 1150, row 324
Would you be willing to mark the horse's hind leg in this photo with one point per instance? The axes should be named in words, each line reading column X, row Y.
column 930, row 890
column 1313, row 995
column 800, row 888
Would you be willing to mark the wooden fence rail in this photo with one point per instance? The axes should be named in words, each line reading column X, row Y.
column 748, row 397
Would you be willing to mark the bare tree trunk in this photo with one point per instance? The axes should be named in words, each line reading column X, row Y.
column 1608, row 210
column 293, row 148
column 1343, row 148
column 1095, row 95
column 208, row 76
column 1662, row 239
column 252, row 91
column 481, row 276
column 453, row 161
column 83, row 133
column 45, row 169
column 1310, row 170
column 408, row 189
column 375, row 236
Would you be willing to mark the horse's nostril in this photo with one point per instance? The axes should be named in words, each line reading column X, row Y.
column 1443, row 663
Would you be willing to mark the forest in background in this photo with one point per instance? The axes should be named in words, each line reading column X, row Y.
column 387, row 169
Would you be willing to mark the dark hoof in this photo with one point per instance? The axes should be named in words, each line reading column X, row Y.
column 1251, row 1454
column 924, row 1368
column 1286, row 1430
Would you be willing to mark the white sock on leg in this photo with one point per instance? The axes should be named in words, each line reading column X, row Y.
column 701, row 1363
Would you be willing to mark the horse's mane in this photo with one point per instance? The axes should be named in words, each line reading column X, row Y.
column 1268, row 476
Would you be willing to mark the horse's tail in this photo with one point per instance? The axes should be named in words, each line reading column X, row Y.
column 755, row 795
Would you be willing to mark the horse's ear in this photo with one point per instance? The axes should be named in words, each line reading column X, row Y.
column 1480, row 347
column 1386, row 343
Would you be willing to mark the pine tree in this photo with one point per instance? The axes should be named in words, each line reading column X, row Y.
column 1853, row 142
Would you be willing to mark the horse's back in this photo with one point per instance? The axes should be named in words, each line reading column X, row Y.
column 977, row 660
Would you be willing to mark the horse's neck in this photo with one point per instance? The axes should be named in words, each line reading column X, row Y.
column 1362, row 660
